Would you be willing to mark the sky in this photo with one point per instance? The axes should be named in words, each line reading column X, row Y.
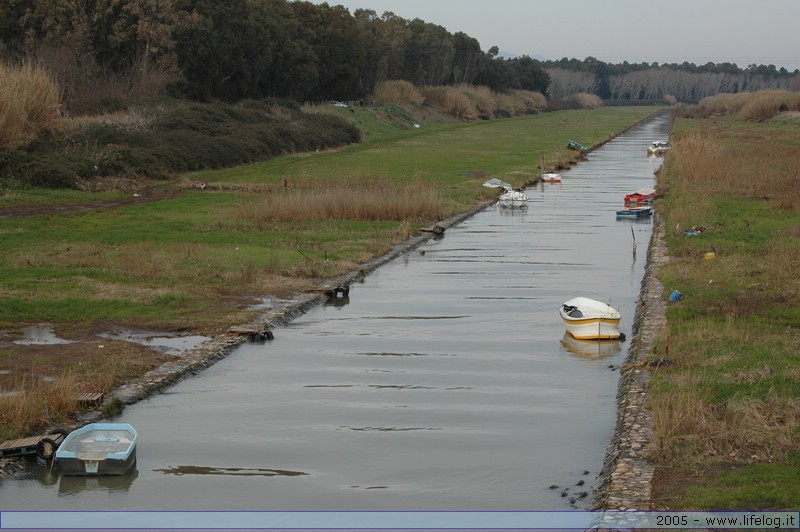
column 745, row 32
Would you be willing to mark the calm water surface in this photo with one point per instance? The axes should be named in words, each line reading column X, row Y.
column 444, row 383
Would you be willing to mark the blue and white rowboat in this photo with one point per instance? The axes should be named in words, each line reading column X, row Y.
column 98, row 449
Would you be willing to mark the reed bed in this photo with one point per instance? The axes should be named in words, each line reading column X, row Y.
column 34, row 403
column 757, row 106
column 31, row 402
column 464, row 101
column 357, row 201
column 28, row 104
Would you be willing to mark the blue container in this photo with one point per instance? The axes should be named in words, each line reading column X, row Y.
column 674, row 296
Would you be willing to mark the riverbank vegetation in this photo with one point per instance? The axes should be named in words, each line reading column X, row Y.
column 727, row 407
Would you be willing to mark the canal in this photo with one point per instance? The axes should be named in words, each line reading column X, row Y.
column 444, row 382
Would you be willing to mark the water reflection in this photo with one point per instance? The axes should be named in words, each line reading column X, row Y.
column 167, row 343
column 229, row 471
column 591, row 349
column 74, row 484
column 41, row 334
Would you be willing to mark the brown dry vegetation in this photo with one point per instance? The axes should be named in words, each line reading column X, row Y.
column 39, row 386
column 761, row 105
column 464, row 102
column 28, row 104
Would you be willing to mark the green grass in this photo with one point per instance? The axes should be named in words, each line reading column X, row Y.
column 766, row 486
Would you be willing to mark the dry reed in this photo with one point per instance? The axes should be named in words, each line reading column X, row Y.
column 398, row 92
column 28, row 104
column 344, row 199
column 36, row 403
column 583, row 100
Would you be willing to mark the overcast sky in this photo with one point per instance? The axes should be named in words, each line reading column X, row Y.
column 698, row 31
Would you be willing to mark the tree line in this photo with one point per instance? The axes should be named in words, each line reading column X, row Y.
column 106, row 50
column 684, row 82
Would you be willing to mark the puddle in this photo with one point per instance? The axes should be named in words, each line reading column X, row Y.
column 41, row 334
column 169, row 344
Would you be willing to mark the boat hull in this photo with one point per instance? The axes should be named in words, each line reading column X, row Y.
column 588, row 319
column 108, row 466
column 593, row 328
column 635, row 212
column 98, row 449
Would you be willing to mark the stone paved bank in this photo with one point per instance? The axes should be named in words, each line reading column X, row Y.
column 625, row 481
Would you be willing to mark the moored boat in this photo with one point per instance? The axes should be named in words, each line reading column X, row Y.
column 98, row 449
column 643, row 196
column 635, row 212
column 589, row 319
column 551, row 177
column 513, row 198
column 658, row 147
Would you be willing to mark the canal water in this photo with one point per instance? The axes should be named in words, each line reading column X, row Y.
column 444, row 382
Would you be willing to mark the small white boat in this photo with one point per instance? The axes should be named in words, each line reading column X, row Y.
column 658, row 147
column 549, row 177
column 589, row 319
column 98, row 449
column 514, row 198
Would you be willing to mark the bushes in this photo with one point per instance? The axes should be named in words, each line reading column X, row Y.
column 468, row 102
column 397, row 91
column 583, row 100
column 158, row 144
column 28, row 104
column 760, row 105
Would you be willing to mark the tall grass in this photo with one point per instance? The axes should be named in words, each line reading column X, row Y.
column 464, row 101
column 583, row 100
column 28, row 100
column 346, row 199
column 36, row 404
column 757, row 106
column 399, row 92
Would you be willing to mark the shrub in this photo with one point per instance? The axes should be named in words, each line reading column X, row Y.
column 397, row 91
column 583, row 100
column 766, row 104
column 28, row 104
column 725, row 103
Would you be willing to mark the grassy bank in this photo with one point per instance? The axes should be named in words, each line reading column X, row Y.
column 727, row 408
column 197, row 260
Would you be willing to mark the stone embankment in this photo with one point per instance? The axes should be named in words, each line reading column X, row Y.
column 626, row 478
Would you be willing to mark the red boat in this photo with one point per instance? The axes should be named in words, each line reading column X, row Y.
column 643, row 196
